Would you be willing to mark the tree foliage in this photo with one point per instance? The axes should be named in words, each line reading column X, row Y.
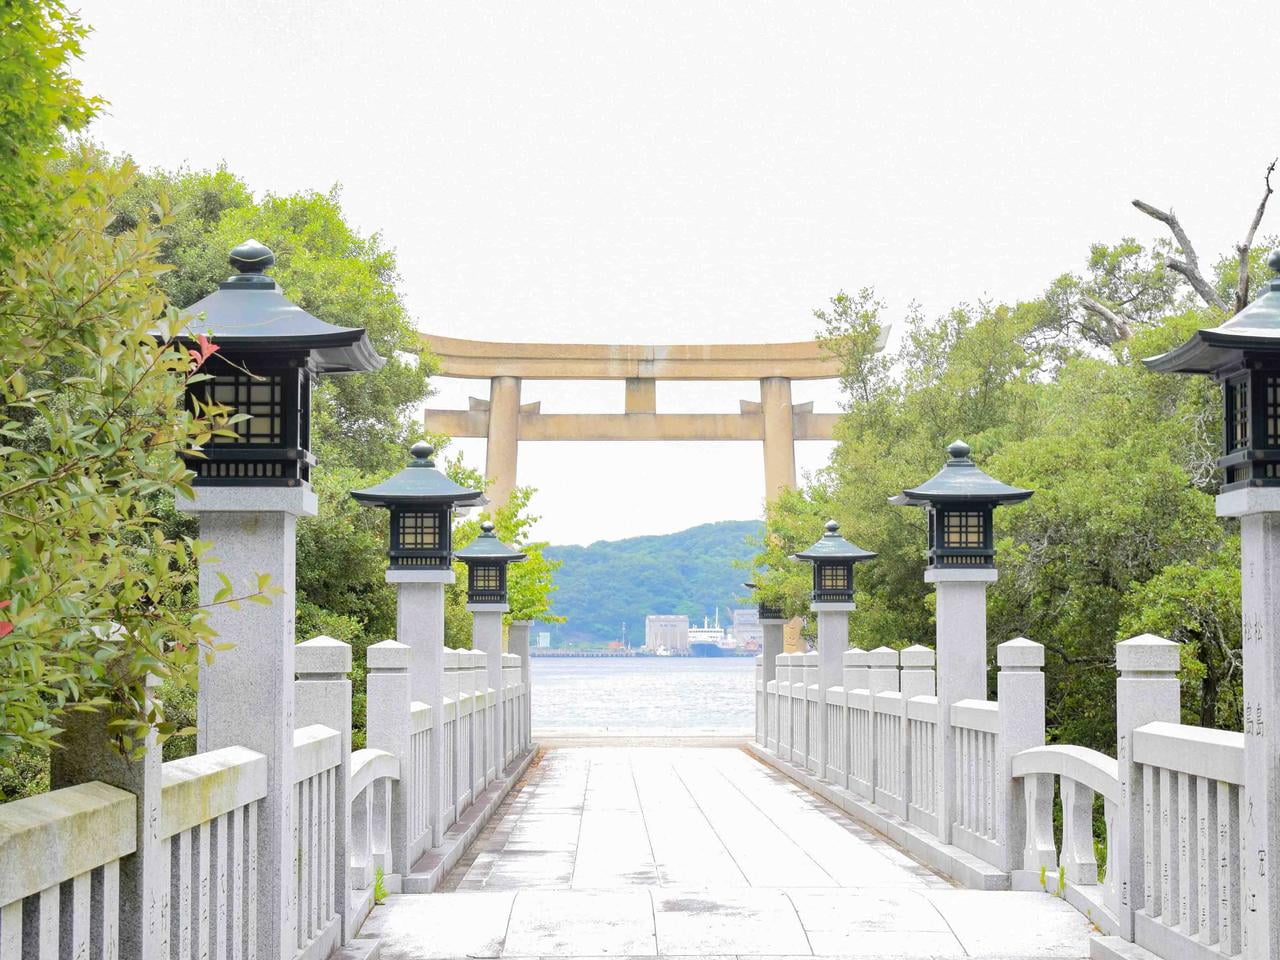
column 39, row 102
column 95, row 594
column 1120, row 537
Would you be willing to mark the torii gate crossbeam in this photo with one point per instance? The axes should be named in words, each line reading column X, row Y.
column 504, row 421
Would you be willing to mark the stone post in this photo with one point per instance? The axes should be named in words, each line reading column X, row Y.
column 87, row 754
column 857, row 670
column 518, row 643
column 1020, row 693
column 388, row 727
column 917, row 671
column 246, row 693
column 882, row 677
column 323, row 695
column 962, row 668
column 882, row 672
column 1146, row 691
column 833, row 641
column 770, row 651
column 420, row 626
column 916, row 680
column 815, row 727
column 1259, row 511
column 486, row 638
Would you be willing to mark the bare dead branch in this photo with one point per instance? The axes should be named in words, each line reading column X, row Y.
column 1120, row 328
column 1242, row 249
column 1190, row 267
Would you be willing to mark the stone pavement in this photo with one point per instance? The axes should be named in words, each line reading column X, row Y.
column 700, row 852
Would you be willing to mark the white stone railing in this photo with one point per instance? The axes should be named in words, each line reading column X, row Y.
column 317, row 759
column 762, row 732
column 922, row 760
column 208, row 853
column 421, row 743
column 179, row 865
column 814, row 697
column 373, row 774
column 1172, row 803
column 889, row 751
column 1192, row 790
column 977, row 726
column 837, row 732
column 75, row 835
column 1080, row 775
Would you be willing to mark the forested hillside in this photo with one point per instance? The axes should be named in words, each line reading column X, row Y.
column 612, row 582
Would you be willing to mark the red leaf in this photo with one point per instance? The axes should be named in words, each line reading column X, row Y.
column 205, row 351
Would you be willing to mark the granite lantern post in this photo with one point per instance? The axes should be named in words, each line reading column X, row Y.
column 1243, row 355
column 249, row 489
column 487, row 559
column 422, row 501
column 771, row 625
column 959, row 502
column 833, row 558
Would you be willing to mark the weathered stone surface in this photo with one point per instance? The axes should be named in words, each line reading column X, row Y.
column 611, row 852
column 322, row 656
column 1020, row 653
column 246, row 695
column 1147, row 654
column 1146, row 690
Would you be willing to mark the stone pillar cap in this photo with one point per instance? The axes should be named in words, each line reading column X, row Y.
column 810, row 658
column 916, row 656
column 857, row 658
column 387, row 655
column 1148, row 654
column 450, row 658
column 322, row 655
column 1020, row 652
column 883, row 657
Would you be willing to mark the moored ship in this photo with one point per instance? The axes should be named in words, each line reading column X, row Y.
column 711, row 641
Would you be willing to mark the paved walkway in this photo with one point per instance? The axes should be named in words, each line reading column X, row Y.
column 701, row 852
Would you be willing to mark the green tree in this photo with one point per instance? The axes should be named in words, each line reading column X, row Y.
column 40, row 101
column 1120, row 536
column 95, row 594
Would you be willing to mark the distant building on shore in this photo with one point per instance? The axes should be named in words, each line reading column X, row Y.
column 665, row 631
column 543, row 640
column 747, row 630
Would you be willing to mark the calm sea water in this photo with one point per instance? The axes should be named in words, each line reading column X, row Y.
column 644, row 695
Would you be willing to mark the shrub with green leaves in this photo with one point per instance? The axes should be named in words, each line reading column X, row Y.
column 94, row 595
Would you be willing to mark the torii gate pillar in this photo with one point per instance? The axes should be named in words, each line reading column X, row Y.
column 779, row 435
column 504, row 437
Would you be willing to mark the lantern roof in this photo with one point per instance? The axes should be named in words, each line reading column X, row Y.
column 960, row 481
column 1256, row 327
column 832, row 546
column 487, row 546
column 418, row 483
column 248, row 312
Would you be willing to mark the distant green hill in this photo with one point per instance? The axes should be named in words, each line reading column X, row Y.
column 612, row 582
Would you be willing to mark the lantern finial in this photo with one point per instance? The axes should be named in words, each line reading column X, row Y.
column 1273, row 261
column 422, row 453
column 252, row 257
column 959, row 450
column 832, row 528
column 486, row 528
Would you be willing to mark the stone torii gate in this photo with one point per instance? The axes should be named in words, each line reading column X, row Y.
column 504, row 421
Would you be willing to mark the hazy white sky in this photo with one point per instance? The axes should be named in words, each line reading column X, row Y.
column 657, row 171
